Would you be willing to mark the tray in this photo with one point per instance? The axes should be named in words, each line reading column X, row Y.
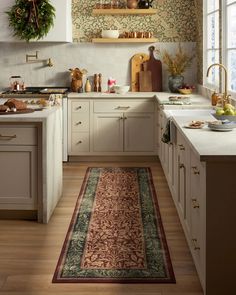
column 26, row 111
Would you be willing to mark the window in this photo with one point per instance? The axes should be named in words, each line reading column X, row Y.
column 220, row 41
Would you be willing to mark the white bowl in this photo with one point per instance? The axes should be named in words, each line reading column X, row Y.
column 110, row 34
column 121, row 89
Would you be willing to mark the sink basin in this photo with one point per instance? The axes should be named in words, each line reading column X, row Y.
column 190, row 113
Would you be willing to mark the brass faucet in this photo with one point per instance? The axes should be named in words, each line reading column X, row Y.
column 226, row 97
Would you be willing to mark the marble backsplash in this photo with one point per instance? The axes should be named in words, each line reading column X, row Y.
column 109, row 59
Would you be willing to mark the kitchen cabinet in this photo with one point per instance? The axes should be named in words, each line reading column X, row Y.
column 168, row 154
column 112, row 127
column 78, row 127
column 60, row 32
column 131, row 126
column 19, row 157
column 197, row 199
column 108, row 132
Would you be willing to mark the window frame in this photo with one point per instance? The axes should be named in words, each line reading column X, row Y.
column 223, row 42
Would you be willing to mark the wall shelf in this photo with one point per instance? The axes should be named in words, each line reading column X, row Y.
column 124, row 40
column 124, row 11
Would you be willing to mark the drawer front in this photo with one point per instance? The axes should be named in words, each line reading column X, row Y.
column 18, row 135
column 80, row 142
column 80, row 122
column 123, row 106
column 80, row 106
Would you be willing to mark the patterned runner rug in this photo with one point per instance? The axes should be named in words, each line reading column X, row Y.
column 116, row 233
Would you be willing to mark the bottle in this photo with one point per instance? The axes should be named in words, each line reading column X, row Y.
column 214, row 98
column 99, row 82
column 95, row 83
column 87, row 86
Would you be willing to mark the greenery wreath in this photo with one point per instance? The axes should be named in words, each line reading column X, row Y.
column 31, row 19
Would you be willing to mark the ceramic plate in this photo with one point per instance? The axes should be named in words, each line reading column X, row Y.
column 194, row 127
column 221, row 130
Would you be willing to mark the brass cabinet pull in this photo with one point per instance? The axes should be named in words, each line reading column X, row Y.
column 78, row 108
column 78, row 123
column 195, row 170
column 79, row 142
column 123, row 107
column 121, row 118
column 7, row 137
column 195, row 204
column 181, row 166
column 125, row 118
column 195, row 244
column 181, row 147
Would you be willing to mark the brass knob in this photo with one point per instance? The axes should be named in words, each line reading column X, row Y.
column 181, row 147
column 79, row 142
column 181, row 165
column 78, row 108
column 125, row 118
column 195, row 170
column 195, row 204
column 195, row 244
column 78, row 123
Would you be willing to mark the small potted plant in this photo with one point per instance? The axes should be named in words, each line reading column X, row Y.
column 176, row 66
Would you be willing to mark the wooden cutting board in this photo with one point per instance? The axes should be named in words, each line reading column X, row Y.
column 155, row 67
column 145, row 79
column 136, row 66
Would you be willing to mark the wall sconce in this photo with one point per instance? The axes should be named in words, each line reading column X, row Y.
column 33, row 58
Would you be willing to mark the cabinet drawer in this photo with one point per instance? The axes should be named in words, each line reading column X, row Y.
column 80, row 142
column 18, row 135
column 80, row 122
column 80, row 106
column 123, row 106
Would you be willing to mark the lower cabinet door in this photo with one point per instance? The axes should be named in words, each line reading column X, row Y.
column 139, row 132
column 108, row 132
column 18, row 177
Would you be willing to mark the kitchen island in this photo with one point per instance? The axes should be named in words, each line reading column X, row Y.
column 31, row 154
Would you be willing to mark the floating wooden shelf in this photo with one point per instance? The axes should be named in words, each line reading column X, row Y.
column 124, row 40
column 124, row 11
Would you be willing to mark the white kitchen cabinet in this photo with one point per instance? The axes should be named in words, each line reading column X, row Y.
column 167, row 155
column 139, row 132
column 197, row 214
column 60, row 32
column 78, row 127
column 19, row 177
column 112, row 127
column 183, row 162
column 108, row 132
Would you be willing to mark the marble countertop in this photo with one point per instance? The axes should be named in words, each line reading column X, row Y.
column 36, row 116
column 208, row 144
column 161, row 97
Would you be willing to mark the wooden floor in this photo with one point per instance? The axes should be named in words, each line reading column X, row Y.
column 29, row 251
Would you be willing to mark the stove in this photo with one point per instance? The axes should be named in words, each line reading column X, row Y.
column 35, row 92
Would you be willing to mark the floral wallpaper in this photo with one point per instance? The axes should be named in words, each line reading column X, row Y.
column 175, row 21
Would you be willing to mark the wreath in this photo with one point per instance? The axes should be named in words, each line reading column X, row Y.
column 31, row 19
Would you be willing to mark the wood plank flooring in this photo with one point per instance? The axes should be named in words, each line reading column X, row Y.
column 29, row 251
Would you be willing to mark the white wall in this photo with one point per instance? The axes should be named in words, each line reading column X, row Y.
column 112, row 60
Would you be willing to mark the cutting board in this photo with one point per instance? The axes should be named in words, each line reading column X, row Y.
column 145, row 79
column 136, row 66
column 155, row 67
